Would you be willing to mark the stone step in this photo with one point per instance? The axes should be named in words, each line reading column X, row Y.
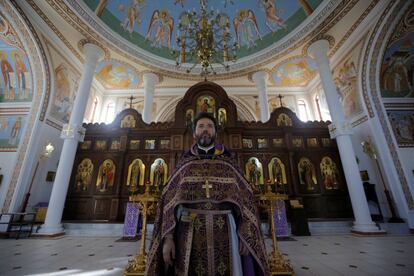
column 94, row 229
column 396, row 228
column 315, row 228
column 329, row 227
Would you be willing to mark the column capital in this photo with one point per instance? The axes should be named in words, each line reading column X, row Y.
column 318, row 50
column 150, row 77
column 259, row 76
column 339, row 129
column 73, row 131
column 93, row 52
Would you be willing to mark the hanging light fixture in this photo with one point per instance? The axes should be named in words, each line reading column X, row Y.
column 204, row 38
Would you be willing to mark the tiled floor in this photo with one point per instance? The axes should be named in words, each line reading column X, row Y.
column 351, row 255
column 315, row 255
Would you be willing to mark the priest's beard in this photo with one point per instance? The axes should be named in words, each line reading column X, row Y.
column 205, row 139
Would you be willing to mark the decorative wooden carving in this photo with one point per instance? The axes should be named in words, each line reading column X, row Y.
column 283, row 140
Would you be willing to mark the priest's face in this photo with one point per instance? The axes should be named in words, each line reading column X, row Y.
column 205, row 132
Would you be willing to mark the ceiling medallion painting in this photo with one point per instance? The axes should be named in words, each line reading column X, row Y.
column 153, row 25
column 298, row 71
column 115, row 75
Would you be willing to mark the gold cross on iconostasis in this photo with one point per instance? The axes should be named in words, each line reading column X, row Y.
column 280, row 99
column 131, row 101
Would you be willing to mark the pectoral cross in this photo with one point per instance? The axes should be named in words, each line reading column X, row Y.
column 207, row 187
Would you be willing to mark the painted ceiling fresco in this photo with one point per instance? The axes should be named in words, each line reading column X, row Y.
column 115, row 75
column 298, row 71
column 15, row 81
column 402, row 122
column 152, row 25
column 11, row 129
column 397, row 72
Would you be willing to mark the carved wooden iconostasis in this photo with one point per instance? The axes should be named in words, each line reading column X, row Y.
column 119, row 159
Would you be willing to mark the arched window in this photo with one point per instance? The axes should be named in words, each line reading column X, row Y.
column 94, row 107
column 110, row 112
column 303, row 112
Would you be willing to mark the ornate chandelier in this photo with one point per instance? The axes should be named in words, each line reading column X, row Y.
column 203, row 38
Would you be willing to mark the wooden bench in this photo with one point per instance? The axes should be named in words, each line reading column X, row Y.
column 18, row 223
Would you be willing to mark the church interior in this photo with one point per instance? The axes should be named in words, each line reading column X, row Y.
column 314, row 98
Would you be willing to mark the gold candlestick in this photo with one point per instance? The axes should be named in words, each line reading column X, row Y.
column 136, row 266
column 278, row 265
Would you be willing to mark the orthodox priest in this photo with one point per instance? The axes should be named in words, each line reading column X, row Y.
column 207, row 222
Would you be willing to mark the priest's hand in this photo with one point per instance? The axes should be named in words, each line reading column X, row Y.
column 243, row 249
column 168, row 250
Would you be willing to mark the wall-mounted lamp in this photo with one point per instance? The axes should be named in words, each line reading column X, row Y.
column 46, row 152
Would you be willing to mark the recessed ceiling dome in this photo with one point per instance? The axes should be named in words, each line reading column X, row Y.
column 148, row 29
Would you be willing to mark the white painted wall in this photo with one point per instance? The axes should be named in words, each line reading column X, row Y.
column 406, row 157
column 361, row 133
column 43, row 134
column 7, row 164
column 41, row 189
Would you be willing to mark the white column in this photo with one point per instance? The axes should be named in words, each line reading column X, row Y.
column 150, row 80
column 73, row 132
column 259, row 79
column 341, row 130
